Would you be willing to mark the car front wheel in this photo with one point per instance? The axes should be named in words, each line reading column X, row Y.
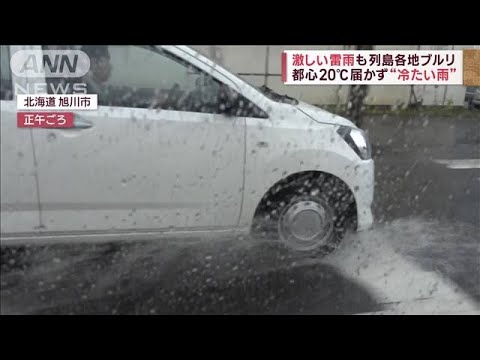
column 309, row 213
column 306, row 223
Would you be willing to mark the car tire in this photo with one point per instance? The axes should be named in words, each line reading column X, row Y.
column 309, row 215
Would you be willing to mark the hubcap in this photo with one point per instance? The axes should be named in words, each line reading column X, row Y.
column 306, row 224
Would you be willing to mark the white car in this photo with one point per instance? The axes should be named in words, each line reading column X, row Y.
column 179, row 146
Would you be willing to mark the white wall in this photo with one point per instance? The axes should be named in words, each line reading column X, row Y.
column 263, row 62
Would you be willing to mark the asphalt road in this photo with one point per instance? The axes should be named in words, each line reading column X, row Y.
column 423, row 256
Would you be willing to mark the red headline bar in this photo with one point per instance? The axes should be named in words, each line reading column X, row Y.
column 284, row 66
column 44, row 119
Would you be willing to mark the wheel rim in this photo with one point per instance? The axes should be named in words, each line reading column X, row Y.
column 306, row 224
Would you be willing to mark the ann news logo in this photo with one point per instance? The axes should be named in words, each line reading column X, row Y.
column 50, row 71
column 50, row 63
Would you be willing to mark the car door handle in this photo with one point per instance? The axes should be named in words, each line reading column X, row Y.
column 79, row 123
column 262, row 144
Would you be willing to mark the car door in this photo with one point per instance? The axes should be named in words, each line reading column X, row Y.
column 142, row 161
column 19, row 196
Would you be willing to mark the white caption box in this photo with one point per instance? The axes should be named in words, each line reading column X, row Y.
column 47, row 102
column 342, row 67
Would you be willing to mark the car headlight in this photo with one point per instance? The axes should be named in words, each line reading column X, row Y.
column 358, row 141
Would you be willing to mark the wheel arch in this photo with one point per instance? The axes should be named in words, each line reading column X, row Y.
column 278, row 186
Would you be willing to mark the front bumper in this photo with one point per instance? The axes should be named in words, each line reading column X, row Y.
column 364, row 218
column 362, row 182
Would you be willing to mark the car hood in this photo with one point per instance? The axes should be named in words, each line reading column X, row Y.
column 323, row 116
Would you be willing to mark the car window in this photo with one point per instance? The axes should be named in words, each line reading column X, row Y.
column 148, row 77
column 132, row 76
column 143, row 77
column 6, row 92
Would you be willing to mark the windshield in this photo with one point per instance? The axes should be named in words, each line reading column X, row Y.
column 264, row 89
